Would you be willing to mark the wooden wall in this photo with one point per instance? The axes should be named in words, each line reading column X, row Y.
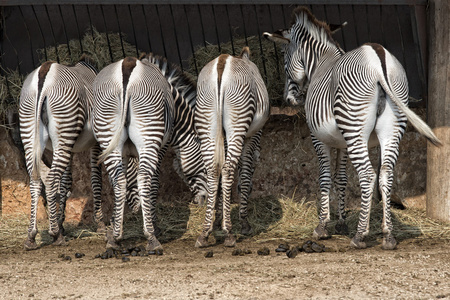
column 175, row 30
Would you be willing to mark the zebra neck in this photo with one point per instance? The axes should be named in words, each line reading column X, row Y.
column 327, row 56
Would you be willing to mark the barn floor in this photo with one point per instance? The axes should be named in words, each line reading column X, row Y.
column 418, row 269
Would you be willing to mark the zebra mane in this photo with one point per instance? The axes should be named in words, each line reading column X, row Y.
column 185, row 86
column 318, row 29
column 86, row 61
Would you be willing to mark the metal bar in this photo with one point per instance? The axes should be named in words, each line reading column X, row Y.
column 161, row 31
column 174, row 27
column 230, row 30
column 260, row 45
column 133, row 26
column 120, row 32
column 53, row 34
column 191, row 42
column 80, row 37
column 106, row 34
column 243, row 24
column 29, row 38
column 251, row 2
column 421, row 48
column 147, row 31
column 216, row 28
column 65, row 31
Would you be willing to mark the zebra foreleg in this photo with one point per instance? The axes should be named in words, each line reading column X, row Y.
column 219, row 209
column 235, row 147
column 132, row 186
column 154, row 189
column 35, row 190
column 386, row 177
column 341, row 184
column 323, row 153
column 246, row 170
column 96, row 184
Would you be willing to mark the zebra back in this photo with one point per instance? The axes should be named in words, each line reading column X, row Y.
column 47, row 87
column 184, row 139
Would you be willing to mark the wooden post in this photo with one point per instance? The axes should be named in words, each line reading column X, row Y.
column 438, row 159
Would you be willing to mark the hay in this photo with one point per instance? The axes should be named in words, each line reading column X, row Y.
column 10, row 86
column 102, row 48
column 268, row 57
column 271, row 218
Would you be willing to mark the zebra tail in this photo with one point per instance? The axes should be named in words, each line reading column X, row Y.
column 415, row 120
column 37, row 154
column 118, row 133
column 219, row 153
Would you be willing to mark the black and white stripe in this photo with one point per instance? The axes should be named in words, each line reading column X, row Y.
column 54, row 113
column 232, row 107
column 141, row 107
column 355, row 100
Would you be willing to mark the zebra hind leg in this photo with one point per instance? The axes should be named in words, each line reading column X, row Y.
column 96, row 184
column 367, row 182
column 213, row 184
column 115, row 169
column 246, row 170
column 64, row 194
column 341, row 227
column 323, row 154
column 386, row 177
column 148, row 186
column 35, row 189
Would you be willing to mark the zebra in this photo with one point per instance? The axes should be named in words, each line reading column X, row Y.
column 140, row 108
column 53, row 112
column 355, row 100
column 232, row 107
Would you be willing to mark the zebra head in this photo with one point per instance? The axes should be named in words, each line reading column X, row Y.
column 299, row 58
column 294, row 67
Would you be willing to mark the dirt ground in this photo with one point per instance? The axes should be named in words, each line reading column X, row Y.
column 418, row 269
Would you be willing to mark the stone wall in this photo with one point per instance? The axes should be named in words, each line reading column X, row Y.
column 288, row 167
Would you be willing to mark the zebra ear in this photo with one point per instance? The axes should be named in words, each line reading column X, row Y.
column 245, row 53
column 336, row 27
column 276, row 37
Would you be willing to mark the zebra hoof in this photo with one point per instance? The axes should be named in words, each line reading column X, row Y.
column 157, row 231
column 61, row 228
column 389, row 242
column 101, row 227
column 30, row 244
column 201, row 242
column 321, row 233
column 230, row 241
column 153, row 245
column 58, row 240
column 246, row 228
column 357, row 242
column 200, row 200
column 341, row 228
column 111, row 242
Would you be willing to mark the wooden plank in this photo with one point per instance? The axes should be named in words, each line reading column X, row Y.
column 438, row 171
column 215, row 2
column 410, row 59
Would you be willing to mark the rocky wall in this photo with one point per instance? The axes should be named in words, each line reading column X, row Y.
column 288, row 167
